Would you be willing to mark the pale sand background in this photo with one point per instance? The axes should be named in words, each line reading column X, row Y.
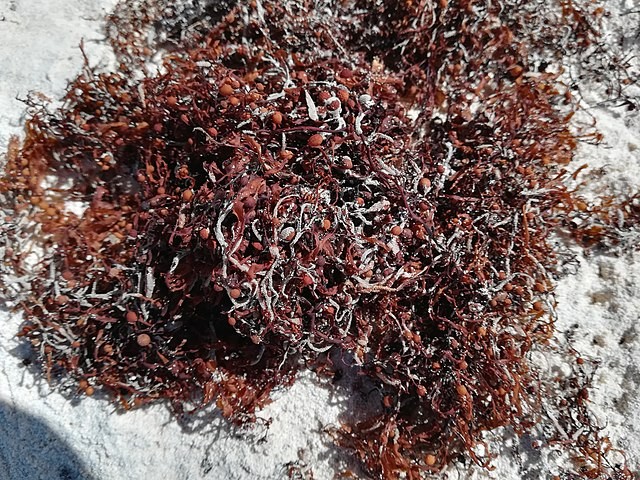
column 43, row 435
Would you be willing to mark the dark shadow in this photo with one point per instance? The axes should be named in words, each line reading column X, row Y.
column 30, row 450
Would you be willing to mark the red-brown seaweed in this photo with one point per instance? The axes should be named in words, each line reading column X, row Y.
column 375, row 180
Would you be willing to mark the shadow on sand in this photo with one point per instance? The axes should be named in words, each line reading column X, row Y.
column 31, row 450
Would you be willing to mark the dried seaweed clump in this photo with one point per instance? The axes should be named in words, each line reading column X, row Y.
column 273, row 197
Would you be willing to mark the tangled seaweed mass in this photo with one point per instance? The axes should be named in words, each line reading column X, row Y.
column 300, row 184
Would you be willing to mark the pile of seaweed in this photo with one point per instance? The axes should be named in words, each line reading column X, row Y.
column 298, row 182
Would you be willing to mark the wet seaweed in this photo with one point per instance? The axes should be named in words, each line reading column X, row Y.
column 376, row 180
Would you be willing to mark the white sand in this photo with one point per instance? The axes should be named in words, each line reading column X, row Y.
column 44, row 435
